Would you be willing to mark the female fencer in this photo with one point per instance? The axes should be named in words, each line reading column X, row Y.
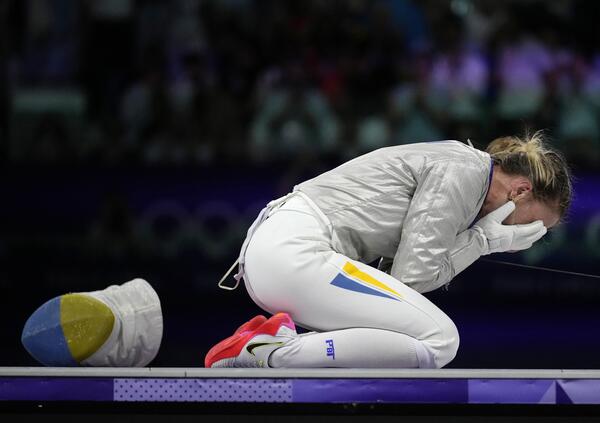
column 420, row 214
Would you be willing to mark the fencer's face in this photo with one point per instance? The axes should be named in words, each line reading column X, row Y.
column 506, row 187
column 528, row 210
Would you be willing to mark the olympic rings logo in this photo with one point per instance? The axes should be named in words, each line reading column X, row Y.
column 214, row 229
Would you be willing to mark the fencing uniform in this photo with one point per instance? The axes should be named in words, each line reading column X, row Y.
column 411, row 207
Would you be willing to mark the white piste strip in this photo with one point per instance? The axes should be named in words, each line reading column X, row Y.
column 203, row 373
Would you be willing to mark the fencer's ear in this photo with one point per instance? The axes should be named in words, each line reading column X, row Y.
column 520, row 189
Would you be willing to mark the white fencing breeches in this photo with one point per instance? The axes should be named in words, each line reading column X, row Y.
column 361, row 317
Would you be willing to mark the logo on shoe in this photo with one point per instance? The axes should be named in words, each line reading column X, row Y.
column 251, row 347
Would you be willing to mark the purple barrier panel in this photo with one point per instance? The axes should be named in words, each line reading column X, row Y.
column 381, row 390
column 582, row 391
column 512, row 391
column 55, row 389
column 203, row 390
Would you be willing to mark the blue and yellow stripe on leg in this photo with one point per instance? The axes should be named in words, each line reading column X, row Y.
column 354, row 279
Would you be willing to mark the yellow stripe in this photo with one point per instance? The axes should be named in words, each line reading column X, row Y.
column 352, row 270
column 86, row 322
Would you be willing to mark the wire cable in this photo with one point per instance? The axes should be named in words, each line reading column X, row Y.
column 546, row 269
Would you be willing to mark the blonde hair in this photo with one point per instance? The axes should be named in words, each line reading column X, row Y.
column 545, row 167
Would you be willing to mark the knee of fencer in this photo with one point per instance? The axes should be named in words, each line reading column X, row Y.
column 444, row 346
column 451, row 341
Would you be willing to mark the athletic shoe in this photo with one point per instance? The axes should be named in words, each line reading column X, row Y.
column 244, row 329
column 252, row 348
column 251, row 324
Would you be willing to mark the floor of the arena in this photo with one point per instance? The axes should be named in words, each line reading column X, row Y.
column 187, row 394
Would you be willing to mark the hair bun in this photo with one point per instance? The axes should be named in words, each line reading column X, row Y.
column 543, row 166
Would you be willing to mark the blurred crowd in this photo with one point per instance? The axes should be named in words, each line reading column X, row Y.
column 206, row 81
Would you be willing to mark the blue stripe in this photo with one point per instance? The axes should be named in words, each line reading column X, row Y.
column 43, row 336
column 347, row 283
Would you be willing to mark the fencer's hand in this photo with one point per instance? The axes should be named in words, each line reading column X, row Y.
column 501, row 238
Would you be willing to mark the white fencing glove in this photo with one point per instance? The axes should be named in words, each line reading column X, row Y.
column 501, row 238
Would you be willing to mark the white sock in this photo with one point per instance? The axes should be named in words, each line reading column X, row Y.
column 355, row 347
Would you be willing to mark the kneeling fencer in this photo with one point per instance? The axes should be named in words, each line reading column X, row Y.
column 421, row 213
column 346, row 255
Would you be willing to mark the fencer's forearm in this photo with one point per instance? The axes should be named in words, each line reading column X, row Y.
column 469, row 246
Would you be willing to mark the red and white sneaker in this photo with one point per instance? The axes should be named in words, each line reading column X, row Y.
column 251, row 346
column 251, row 324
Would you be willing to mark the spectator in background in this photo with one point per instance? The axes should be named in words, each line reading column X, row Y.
column 523, row 62
column 591, row 83
column 458, row 79
column 177, row 127
column 143, row 109
column 372, row 132
column 482, row 20
column 577, row 119
column 292, row 117
column 411, row 117
column 410, row 18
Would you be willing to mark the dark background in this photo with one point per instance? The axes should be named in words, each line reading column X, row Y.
column 141, row 138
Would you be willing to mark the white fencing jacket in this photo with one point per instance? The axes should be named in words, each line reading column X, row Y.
column 411, row 206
